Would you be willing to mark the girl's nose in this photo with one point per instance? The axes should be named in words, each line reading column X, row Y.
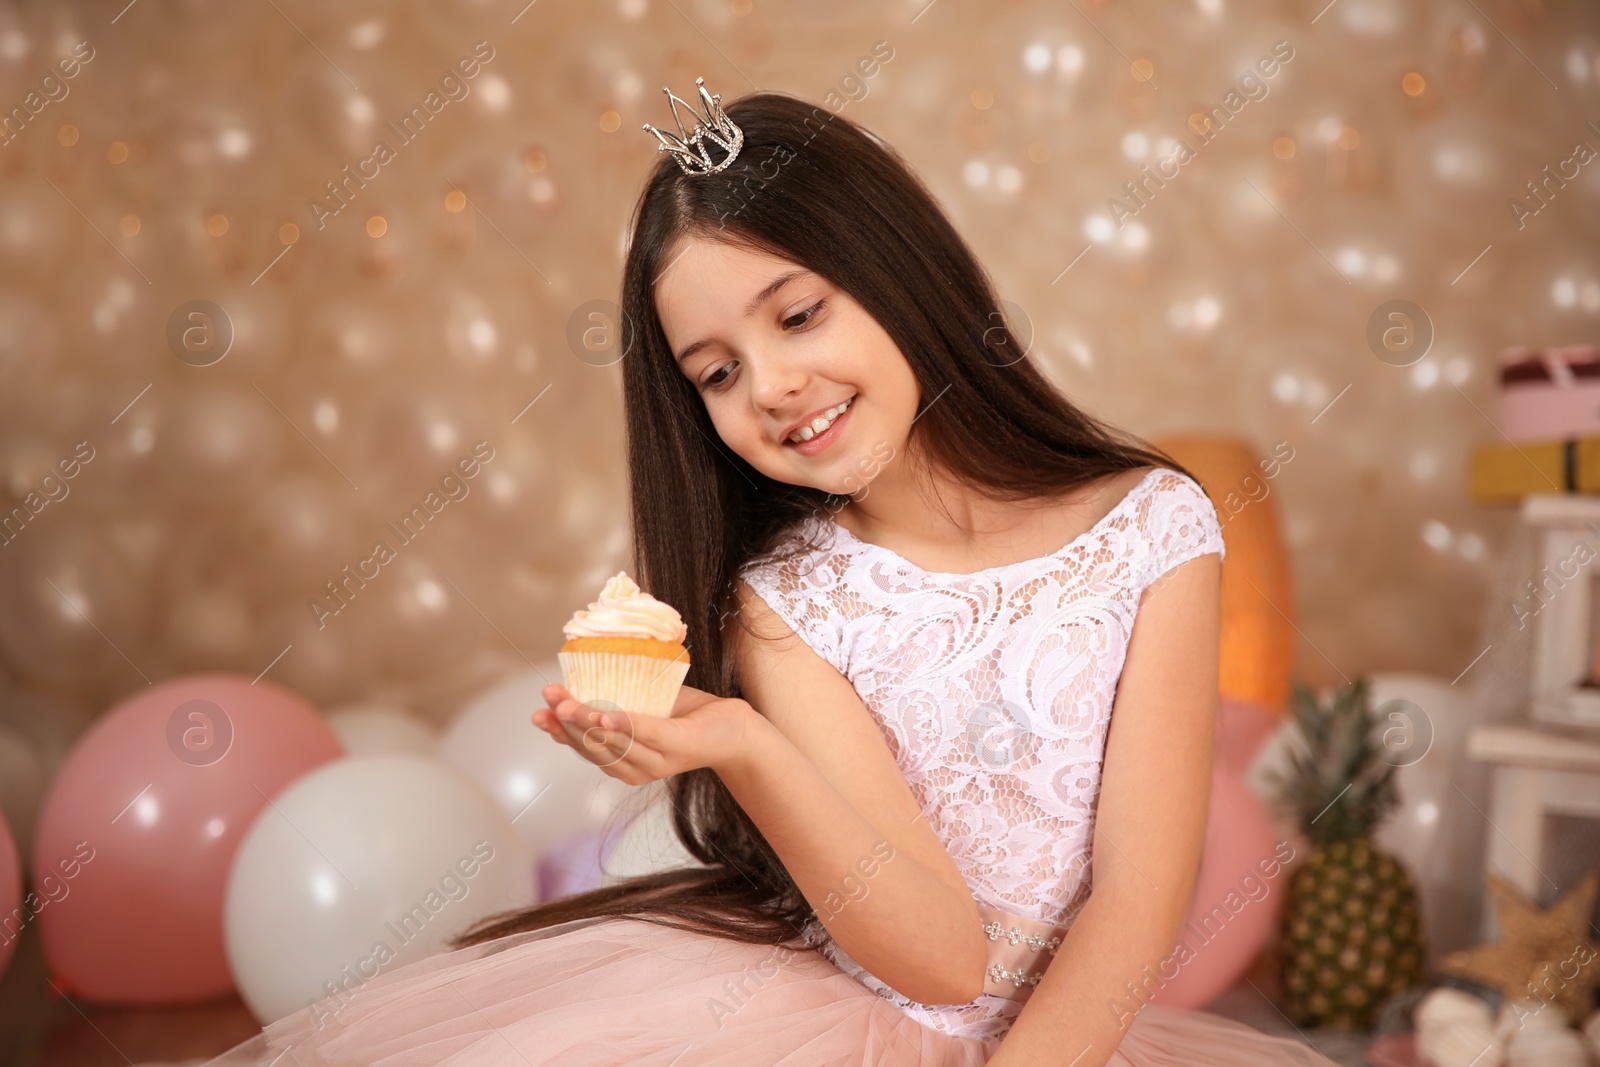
column 774, row 380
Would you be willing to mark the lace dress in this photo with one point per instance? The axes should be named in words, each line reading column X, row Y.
column 994, row 692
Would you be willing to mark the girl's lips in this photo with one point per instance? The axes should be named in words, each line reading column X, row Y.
column 825, row 438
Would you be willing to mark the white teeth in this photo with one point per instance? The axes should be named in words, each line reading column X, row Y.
column 820, row 423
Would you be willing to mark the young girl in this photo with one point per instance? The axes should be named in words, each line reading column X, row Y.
column 945, row 751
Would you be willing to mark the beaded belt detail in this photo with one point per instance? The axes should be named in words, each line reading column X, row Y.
column 1019, row 951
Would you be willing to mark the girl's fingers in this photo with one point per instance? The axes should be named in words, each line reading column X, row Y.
column 547, row 722
column 624, row 746
column 562, row 730
column 598, row 744
column 584, row 717
column 638, row 766
column 630, row 742
column 605, row 739
column 634, row 740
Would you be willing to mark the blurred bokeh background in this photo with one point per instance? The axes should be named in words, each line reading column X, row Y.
column 270, row 273
column 376, row 336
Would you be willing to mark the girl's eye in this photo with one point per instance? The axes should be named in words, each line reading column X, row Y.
column 809, row 313
column 716, row 379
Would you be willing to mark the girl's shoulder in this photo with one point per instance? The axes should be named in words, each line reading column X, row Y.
column 1177, row 519
column 1166, row 481
column 802, row 583
column 1174, row 488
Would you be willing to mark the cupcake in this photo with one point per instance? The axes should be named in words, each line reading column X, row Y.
column 625, row 651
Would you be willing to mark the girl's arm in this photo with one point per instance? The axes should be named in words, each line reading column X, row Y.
column 1150, row 824
column 817, row 778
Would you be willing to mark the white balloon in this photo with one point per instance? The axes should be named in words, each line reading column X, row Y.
column 547, row 790
column 362, row 865
column 1431, row 831
column 370, row 729
column 1549, row 1046
column 1429, row 733
column 649, row 843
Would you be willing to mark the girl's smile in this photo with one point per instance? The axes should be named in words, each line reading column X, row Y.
column 820, row 431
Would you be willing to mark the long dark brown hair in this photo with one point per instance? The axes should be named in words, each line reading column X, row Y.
column 818, row 190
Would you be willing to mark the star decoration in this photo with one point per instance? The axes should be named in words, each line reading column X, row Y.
column 1544, row 955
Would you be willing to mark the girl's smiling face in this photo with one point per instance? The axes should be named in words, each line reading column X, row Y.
column 770, row 347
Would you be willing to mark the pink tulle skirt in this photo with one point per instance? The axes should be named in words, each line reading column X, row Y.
column 614, row 992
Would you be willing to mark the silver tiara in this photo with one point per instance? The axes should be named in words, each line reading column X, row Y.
column 689, row 148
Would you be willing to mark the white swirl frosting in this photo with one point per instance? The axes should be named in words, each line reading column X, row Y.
column 624, row 610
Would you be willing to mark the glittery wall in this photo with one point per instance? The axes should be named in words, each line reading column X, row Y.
column 272, row 276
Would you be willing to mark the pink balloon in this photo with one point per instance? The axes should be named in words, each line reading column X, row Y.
column 1235, row 902
column 12, row 915
column 140, row 826
column 1242, row 727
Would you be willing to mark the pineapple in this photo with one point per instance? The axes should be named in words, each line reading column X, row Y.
column 1351, row 932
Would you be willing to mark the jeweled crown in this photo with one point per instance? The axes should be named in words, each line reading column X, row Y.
column 689, row 146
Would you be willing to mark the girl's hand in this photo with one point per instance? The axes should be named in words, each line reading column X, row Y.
column 704, row 731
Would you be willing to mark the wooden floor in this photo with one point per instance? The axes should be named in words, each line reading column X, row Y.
column 40, row 1029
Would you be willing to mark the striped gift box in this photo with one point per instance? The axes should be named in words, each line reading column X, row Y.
column 1550, row 393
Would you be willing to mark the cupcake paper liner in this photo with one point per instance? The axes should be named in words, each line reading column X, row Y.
column 608, row 681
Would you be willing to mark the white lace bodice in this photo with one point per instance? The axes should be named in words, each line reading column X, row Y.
column 994, row 692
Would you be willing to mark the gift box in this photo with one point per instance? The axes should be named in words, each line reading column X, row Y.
column 1550, row 393
column 1503, row 473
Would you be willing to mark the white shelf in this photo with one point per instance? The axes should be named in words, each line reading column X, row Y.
column 1535, row 746
column 1548, row 764
column 1564, row 509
